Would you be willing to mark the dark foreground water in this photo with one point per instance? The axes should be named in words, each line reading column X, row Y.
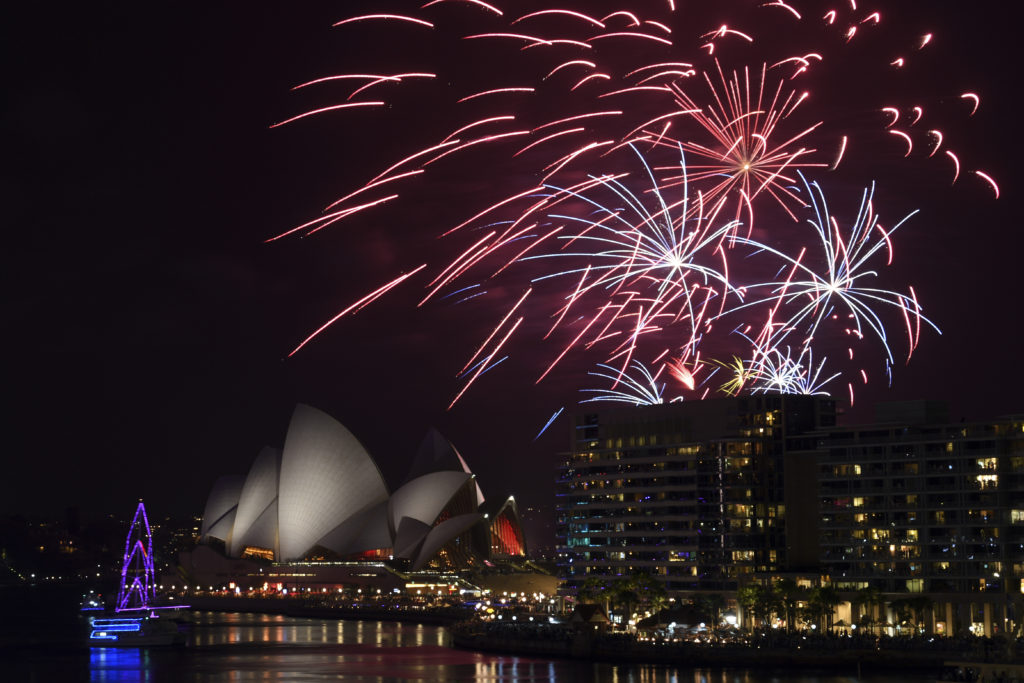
column 43, row 641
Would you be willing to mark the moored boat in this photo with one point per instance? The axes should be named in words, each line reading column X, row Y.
column 134, row 631
column 136, row 620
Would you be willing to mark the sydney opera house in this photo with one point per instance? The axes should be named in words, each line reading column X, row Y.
column 322, row 500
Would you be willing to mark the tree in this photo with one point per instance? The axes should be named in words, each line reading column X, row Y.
column 822, row 604
column 911, row 610
column 901, row 609
column 788, row 595
column 756, row 600
column 748, row 597
column 622, row 592
column 920, row 604
column 594, row 589
column 710, row 606
column 868, row 599
column 650, row 591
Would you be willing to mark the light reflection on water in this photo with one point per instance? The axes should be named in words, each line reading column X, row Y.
column 119, row 665
column 213, row 629
column 237, row 648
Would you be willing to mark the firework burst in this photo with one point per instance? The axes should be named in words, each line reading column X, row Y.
column 662, row 261
column 840, row 287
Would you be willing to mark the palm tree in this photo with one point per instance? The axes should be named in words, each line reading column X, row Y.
column 919, row 604
column 788, row 594
column 756, row 600
column 867, row 598
column 651, row 592
column 824, row 600
column 911, row 610
column 594, row 589
column 710, row 605
column 901, row 610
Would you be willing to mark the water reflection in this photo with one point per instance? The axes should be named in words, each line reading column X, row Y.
column 119, row 665
column 610, row 673
column 239, row 648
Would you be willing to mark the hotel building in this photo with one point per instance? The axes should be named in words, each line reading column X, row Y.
column 709, row 495
column 698, row 494
column 916, row 504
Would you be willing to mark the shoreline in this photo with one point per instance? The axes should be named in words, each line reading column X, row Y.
column 298, row 607
column 592, row 647
column 691, row 656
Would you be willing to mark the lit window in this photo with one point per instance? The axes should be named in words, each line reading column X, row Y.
column 987, row 481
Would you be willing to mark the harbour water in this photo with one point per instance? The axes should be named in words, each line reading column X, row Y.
column 237, row 648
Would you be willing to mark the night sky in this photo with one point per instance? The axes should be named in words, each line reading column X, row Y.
column 147, row 323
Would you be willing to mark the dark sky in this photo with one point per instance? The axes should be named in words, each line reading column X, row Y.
column 147, row 324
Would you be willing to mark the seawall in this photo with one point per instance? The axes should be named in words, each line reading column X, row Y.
column 301, row 607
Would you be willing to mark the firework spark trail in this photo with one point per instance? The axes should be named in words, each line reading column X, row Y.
column 639, row 246
column 549, row 422
column 745, row 154
column 740, row 120
column 739, row 372
column 846, row 256
column 774, row 370
column 486, row 362
column 645, row 391
column 359, row 305
column 657, row 266
column 640, row 385
column 495, row 331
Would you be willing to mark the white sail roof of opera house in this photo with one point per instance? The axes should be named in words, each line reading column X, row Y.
column 257, row 505
column 326, row 477
column 324, row 492
column 437, row 454
column 363, row 531
column 424, row 497
column 219, row 514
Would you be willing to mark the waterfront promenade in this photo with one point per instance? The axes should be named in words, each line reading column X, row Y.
column 773, row 650
column 439, row 615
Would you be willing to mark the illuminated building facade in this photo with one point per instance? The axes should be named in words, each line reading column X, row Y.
column 699, row 494
column 916, row 504
column 505, row 531
column 322, row 499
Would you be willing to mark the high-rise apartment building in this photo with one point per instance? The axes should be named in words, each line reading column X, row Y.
column 711, row 494
column 699, row 494
column 916, row 504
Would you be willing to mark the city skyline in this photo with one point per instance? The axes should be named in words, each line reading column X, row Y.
column 152, row 326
